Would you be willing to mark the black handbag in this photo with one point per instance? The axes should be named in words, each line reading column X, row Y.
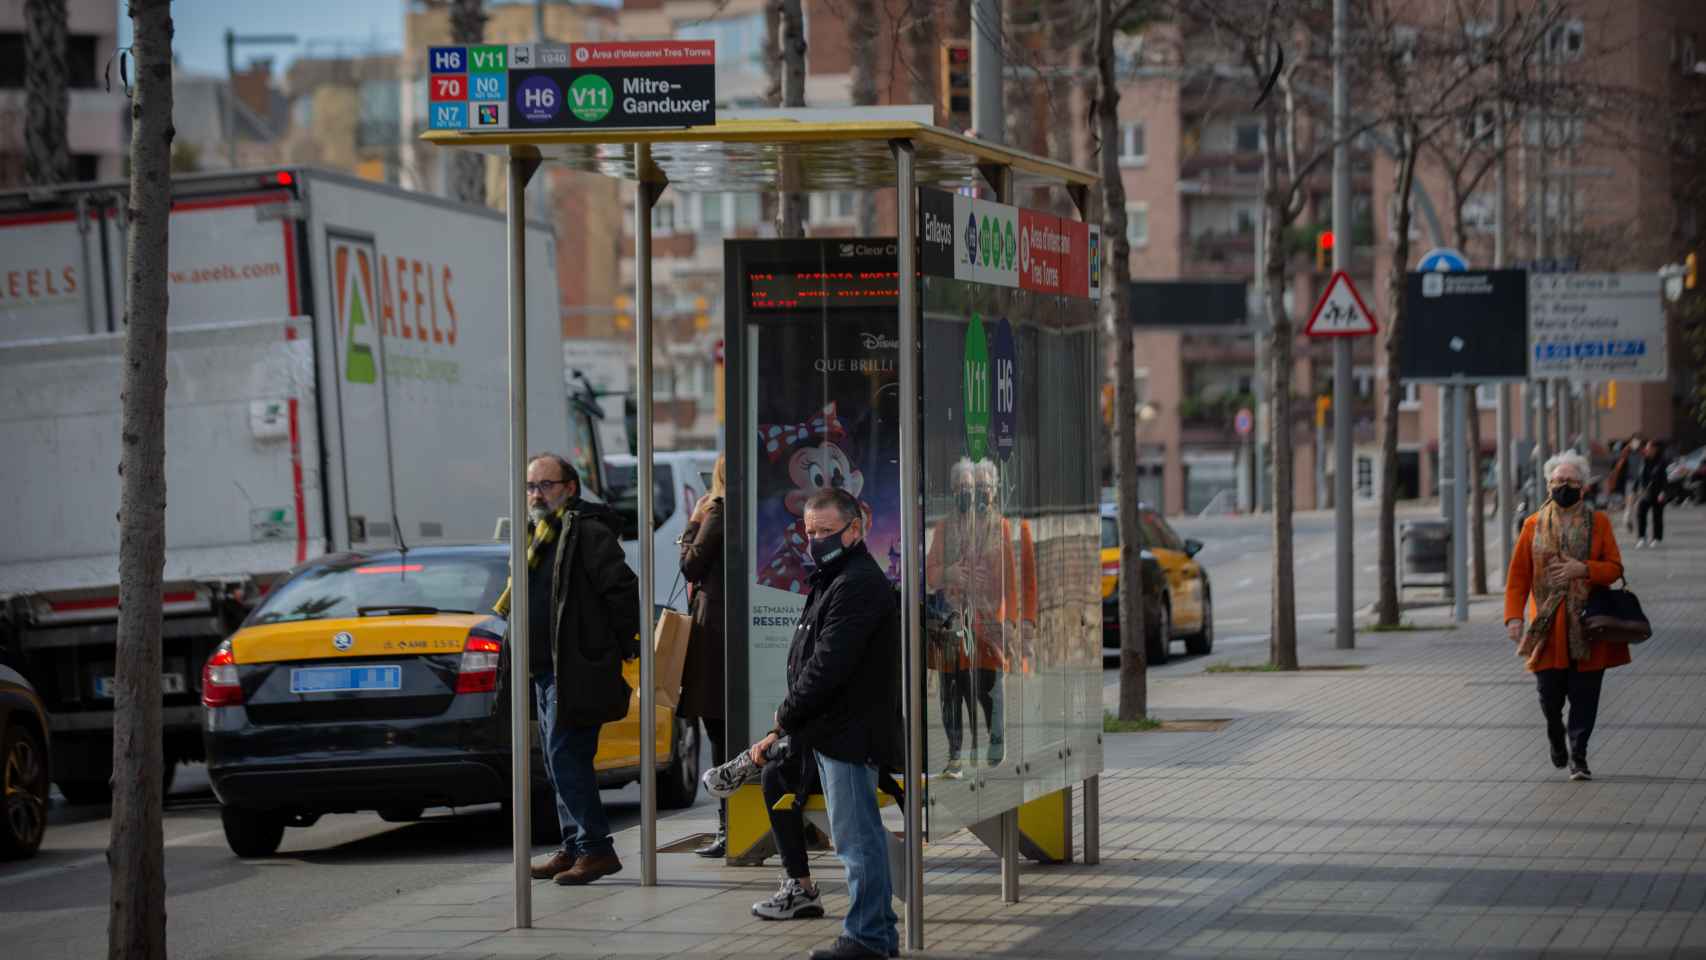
column 1614, row 615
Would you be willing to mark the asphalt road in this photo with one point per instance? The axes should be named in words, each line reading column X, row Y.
column 218, row 904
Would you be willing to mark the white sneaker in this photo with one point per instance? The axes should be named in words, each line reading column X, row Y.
column 791, row 901
column 1640, row 543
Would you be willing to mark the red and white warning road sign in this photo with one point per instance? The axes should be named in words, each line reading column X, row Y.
column 1341, row 312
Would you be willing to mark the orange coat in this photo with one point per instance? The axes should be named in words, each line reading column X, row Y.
column 1605, row 565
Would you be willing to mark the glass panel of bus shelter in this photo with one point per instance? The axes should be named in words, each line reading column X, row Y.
column 821, row 403
column 1080, row 428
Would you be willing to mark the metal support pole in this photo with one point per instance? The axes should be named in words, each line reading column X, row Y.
column 645, row 195
column 230, row 105
column 1459, row 525
column 1563, row 404
column 1259, row 336
column 520, row 702
column 1344, row 627
column 911, row 539
column 1501, row 210
column 988, row 112
column 1010, row 856
column 1092, row 820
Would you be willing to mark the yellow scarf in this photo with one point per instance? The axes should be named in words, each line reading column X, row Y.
column 1559, row 535
column 539, row 540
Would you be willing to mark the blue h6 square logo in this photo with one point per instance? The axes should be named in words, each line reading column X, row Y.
column 447, row 59
column 449, row 116
column 487, row 86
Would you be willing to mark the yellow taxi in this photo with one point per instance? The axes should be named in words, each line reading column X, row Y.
column 378, row 681
column 1177, row 601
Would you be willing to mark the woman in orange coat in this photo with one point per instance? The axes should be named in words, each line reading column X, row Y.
column 1565, row 550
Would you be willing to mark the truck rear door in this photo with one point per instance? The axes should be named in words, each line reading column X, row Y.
column 363, row 398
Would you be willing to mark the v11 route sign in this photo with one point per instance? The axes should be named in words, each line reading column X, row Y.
column 574, row 86
column 1341, row 312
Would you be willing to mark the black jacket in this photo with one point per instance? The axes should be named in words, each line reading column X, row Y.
column 844, row 665
column 595, row 617
column 1653, row 479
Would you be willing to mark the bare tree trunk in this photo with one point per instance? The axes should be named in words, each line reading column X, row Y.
column 773, row 86
column 791, row 220
column 862, row 83
column 1477, row 498
column 1282, row 640
column 136, row 921
column 47, row 156
column 1061, row 36
column 467, row 168
column 1134, row 659
column 1386, row 607
column 922, row 44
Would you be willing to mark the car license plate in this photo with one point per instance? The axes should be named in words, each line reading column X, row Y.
column 345, row 679
column 169, row 683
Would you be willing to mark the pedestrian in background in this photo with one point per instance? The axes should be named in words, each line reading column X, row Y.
column 1565, row 550
column 702, row 681
column 583, row 620
column 1632, row 475
column 1655, row 477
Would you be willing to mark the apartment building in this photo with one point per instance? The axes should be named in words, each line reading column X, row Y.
column 95, row 122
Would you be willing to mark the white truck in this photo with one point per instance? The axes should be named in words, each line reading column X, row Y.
column 337, row 357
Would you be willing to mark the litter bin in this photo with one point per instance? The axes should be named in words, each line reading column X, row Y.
column 1425, row 550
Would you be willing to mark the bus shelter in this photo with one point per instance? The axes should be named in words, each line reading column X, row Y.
column 975, row 339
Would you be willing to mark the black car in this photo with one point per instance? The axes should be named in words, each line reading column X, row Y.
column 374, row 681
column 23, row 751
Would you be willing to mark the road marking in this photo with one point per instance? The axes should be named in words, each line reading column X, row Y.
column 101, row 858
column 1244, row 582
column 1315, row 616
column 1222, row 621
column 1244, row 638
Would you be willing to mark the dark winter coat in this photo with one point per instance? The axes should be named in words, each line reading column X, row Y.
column 702, row 565
column 1653, row 479
column 844, row 665
column 595, row 617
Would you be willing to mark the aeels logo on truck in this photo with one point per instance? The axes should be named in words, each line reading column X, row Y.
column 353, row 273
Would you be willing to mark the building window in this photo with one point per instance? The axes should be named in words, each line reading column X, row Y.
column 1137, row 224
column 1363, row 377
column 1134, row 149
column 1246, row 221
column 1567, row 40
column 663, row 218
column 1411, row 399
column 711, row 213
column 1486, row 395
column 1247, row 137
column 748, row 210
column 1365, row 478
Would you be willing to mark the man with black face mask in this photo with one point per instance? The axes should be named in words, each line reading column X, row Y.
column 844, row 699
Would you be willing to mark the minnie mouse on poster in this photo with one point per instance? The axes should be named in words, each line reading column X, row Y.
column 805, row 457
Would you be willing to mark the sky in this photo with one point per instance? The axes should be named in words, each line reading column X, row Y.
column 324, row 28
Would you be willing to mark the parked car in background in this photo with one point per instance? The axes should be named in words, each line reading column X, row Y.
column 1686, row 480
column 24, row 766
column 378, row 681
column 679, row 479
column 1177, row 600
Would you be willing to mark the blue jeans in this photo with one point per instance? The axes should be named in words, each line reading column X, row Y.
column 850, row 791
column 569, row 751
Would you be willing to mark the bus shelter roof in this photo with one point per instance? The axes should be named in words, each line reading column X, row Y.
column 760, row 156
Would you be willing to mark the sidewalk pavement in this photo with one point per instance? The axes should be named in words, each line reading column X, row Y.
column 1404, row 809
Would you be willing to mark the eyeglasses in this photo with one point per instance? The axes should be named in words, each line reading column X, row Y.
column 544, row 486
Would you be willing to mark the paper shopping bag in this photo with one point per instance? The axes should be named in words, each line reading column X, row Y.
column 669, row 643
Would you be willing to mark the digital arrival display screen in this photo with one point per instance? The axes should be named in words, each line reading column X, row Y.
column 771, row 289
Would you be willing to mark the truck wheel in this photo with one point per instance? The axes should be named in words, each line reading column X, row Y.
column 251, row 833
column 678, row 786
column 23, row 805
column 86, row 791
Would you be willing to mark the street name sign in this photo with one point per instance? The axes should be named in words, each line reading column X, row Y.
column 1597, row 326
column 1341, row 312
column 575, row 86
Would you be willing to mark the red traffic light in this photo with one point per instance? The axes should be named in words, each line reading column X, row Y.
column 1324, row 240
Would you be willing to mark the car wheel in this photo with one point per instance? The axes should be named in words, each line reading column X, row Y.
column 1202, row 642
column 251, row 833
column 24, row 777
column 1162, row 638
column 679, row 785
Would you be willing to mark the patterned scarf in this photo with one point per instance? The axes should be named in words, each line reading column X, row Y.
column 1559, row 535
column 539, row 541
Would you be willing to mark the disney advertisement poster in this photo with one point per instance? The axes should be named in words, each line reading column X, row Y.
column 822, row 362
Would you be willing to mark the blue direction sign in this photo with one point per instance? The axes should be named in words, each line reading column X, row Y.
column 1443, row 260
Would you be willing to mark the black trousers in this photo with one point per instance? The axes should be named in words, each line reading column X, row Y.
column 1658, row 510
column 1581, row 689
column 954, row 691
column 778, row 778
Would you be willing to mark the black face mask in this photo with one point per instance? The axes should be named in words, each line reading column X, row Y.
column 963, row 501
column 824, row 550
column 1566, row 497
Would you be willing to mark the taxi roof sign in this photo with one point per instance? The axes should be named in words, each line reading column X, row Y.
column 1341, row 312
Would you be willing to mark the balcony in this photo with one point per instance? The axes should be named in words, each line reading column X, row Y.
column 1218, row 254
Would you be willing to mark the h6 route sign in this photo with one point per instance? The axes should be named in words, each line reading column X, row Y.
column 1341, row 312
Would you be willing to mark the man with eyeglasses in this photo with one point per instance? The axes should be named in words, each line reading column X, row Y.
column 583, row 620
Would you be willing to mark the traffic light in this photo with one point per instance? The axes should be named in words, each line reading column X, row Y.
column 1323, row 250
column 1690, row 270
column 701, row 318
column 956, row 77
column 624, row 313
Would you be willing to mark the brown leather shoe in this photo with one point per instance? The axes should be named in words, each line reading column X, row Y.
column 590, row 868
column 556, row 863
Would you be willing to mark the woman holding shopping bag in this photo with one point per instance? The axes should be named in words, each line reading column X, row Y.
column 702, row 676
column 1566, row 550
